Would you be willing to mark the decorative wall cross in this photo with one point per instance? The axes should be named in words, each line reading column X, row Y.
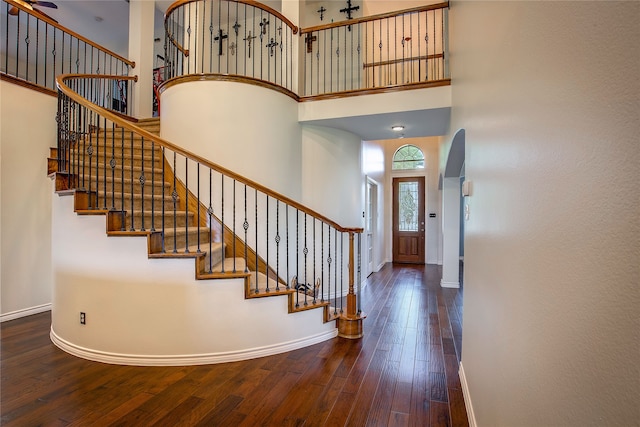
column 349, row 9
column 236, row 26
column 220, row 38
column 248, row 39
column 271, row 45
column 321, row 11
column 264, row 25
column 232, row 48
column 309, row 41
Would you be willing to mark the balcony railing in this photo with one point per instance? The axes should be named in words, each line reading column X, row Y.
column 404, row 48
column 242, row 38
column 35, row 50
column 229, row 37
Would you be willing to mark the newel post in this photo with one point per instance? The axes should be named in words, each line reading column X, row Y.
column 350, row 323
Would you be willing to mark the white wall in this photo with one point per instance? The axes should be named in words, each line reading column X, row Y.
column 251, row 130
column 548, row 94
column 331, row 174
column 27, row 130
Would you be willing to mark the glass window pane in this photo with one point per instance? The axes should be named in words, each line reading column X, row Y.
column 408, row 209
column 408, row 157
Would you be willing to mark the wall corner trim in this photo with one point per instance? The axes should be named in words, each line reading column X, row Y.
column 467, row 398
column 24, row 312
column 445, row 284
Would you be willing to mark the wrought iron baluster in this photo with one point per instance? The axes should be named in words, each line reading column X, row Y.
column 324, row 62
column 322, row 261
column 222, row 225
column 210, row 38
column 90, row 153
column 335, row 272
column 388, row 54
column 122, row 205
column 233, row 242
column 112, row 163
column 82, row 156
column 6, row 38
column 104, row 169
column 359, row 274
column 266, row 240
column 256, row 244
column 305, row 251
column 261, row 50
column 210, row 213
column 287, row 238
column 132, row 181
column 45, row 52
column 164, row 157
column 186, row 205
column 153, row 186
column 174, row 196
column 341, row 269
column 314, row 261
column 434, row 60
column 198, row 206
column 297, row 258
column 277, row 239
column 331, row 59
column 189, row 36
column 245, row 225
column 329, row 269
column 17, row 42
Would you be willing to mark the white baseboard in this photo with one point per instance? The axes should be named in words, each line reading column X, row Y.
column 446, row 284
column 467, row 398
column 24, row 312
column 187, row 359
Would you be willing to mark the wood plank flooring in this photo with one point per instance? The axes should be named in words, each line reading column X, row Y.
column 404, row 372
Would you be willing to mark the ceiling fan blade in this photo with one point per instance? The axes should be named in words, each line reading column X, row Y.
column 44, row 14
column 45, row 4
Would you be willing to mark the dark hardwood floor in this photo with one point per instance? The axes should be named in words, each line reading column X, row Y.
column 404, row 372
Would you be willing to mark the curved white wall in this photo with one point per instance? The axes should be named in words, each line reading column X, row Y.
column 248, row 129
column 142, row 311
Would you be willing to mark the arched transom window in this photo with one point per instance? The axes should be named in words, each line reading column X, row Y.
column 408, row 157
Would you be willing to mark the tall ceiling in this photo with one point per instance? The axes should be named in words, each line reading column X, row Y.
column 105, row 22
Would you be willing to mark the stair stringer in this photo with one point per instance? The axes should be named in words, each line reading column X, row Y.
column 141, row 310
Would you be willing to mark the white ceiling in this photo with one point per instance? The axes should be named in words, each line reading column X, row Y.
column 112, row 30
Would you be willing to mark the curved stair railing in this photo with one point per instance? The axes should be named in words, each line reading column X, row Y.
column 229, row 37
column 189, row 206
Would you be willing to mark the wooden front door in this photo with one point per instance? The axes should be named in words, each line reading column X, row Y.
column 408, row 220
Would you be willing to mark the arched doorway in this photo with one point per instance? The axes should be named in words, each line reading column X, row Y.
column 451, row 202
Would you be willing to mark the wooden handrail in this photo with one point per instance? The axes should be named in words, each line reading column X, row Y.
column 247, row 2
column 354, row 21
column 256, row 4
column 50, row 21
column 64, row 88
column 402, row 60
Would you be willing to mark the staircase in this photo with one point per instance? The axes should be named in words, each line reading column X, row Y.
column 143, row 206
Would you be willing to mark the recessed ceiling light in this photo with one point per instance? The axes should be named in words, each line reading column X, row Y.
column 397, row 128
